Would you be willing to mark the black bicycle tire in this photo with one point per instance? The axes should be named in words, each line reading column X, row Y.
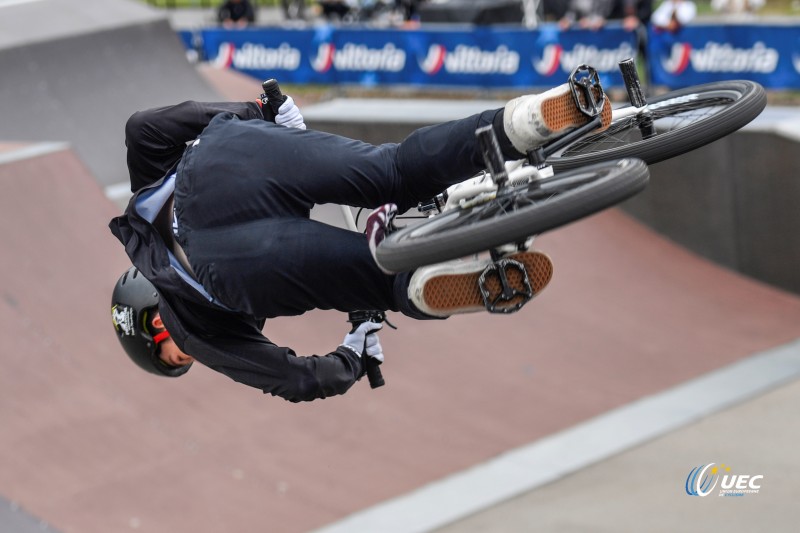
column 740, row 112
column 406, row 249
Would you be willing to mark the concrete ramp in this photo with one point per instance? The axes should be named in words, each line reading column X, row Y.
column 75, row 70
column 90, row 444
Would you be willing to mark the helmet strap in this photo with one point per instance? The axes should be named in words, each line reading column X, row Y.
column 161, row 337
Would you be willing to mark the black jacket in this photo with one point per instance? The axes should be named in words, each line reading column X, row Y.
column 229, row 342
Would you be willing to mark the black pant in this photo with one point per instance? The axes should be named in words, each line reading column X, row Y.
column 245, row 189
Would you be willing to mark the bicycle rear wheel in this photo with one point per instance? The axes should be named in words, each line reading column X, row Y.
column 684, row 120
column 514, row 215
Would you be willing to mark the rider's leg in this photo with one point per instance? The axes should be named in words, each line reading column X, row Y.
column 262, row 170
column 287, row 266
column 332, row 169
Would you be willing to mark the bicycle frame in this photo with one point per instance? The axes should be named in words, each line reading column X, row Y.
column 627, row 111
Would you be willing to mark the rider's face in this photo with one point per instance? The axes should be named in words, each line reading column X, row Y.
column 168, row 351
column 172, row 355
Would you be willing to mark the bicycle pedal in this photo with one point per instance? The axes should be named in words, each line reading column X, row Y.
column 454, row 287
column 505, row 286
column 584, row 82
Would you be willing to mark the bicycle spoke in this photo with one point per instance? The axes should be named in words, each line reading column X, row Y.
column 671, row 118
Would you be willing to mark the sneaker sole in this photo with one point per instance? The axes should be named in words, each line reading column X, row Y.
column 449, row 294
column 560, row 113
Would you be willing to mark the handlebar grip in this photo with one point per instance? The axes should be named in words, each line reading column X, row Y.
column 632, row 84
column 273, row 97
column 374, row 373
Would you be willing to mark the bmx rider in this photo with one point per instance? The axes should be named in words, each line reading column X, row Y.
column 218, row 231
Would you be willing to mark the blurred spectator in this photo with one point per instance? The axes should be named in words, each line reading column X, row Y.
column 554, row 9
column 408, row 8
column 737, row 6
column 294, row 9
column 672, row 15
column 336, row 9
column 634, row 14
column 587, row 14
column 236, row 13
column 405, row 12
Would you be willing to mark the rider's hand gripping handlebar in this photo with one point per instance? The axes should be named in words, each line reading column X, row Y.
column 356, row 318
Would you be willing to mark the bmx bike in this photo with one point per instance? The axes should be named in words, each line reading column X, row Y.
column 573, row 176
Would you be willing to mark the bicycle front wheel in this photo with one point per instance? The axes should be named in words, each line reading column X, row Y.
column 514, row 215
column 683, row 120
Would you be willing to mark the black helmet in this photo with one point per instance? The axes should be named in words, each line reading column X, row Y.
column 133, row 303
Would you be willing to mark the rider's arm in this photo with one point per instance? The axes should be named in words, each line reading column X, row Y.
column 277, row 370
column 234, row 345
column 156, row 138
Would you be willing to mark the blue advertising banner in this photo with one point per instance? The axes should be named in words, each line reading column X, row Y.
column 768, row 54
column 474, row 57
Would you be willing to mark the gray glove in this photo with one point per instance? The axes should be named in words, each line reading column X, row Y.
column 364, row 340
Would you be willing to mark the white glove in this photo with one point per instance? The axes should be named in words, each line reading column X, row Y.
column 365, row 340
column 289, row 115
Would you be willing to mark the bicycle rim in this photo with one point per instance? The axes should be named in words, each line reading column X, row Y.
column 513, row 216
column 684, row 120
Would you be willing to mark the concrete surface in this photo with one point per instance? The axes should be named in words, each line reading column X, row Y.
column 644, row 488
column 505, row 494
column 16, row 520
